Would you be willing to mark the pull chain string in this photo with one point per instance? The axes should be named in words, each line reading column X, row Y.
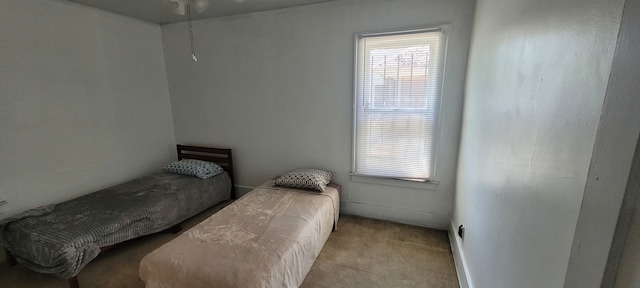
column 193, row 47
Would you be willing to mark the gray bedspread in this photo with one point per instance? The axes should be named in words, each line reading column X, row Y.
column 65, row 239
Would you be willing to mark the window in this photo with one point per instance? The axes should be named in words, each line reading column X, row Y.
column 397, row 95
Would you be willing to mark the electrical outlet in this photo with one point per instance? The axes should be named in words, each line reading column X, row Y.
column 461, row 231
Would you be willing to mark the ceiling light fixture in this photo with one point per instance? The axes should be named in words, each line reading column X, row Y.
column 182, row 7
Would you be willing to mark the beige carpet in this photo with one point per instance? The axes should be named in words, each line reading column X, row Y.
column 361, row 253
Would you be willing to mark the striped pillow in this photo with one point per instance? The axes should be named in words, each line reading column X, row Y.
column 315, row 179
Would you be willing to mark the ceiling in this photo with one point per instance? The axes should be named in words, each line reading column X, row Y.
column 157, row 11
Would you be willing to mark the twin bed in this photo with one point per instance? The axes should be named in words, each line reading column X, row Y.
column 268, row 238
column 62, row 239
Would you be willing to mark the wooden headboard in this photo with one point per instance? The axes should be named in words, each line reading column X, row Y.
column 220, row 156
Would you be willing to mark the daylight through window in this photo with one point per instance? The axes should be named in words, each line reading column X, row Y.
column 396, row 103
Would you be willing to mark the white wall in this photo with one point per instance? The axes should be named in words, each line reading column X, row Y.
column 84, row 102
column 277, row 88
column 536, row 82
column 628, row 276
column 613, row 180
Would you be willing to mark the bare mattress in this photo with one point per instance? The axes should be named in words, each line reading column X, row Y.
column 268, row 238
column 64, row 239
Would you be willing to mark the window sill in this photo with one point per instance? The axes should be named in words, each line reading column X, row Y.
column 426, row 185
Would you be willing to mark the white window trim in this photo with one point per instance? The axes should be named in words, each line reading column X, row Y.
column 393, row 182
column 444, row 28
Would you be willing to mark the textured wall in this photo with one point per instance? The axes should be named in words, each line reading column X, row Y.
column 277, row 87
column 536, row 82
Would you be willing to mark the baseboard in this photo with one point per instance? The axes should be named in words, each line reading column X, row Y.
column 458, row 257
column 405, row 216
column 417, row 218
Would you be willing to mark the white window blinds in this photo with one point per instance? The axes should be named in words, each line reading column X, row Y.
column 397, row 95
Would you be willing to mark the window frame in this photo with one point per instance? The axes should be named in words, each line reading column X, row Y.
column 440, row 80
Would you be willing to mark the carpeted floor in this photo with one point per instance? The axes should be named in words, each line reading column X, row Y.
column 361, row 253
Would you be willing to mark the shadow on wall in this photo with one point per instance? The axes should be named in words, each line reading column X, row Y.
column 1, row 204
column 2, row 256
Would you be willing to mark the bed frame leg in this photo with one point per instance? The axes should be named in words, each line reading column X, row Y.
column 11, row 260
column 73, row 282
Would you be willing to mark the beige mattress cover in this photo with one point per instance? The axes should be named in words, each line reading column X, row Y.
column 268, row 238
